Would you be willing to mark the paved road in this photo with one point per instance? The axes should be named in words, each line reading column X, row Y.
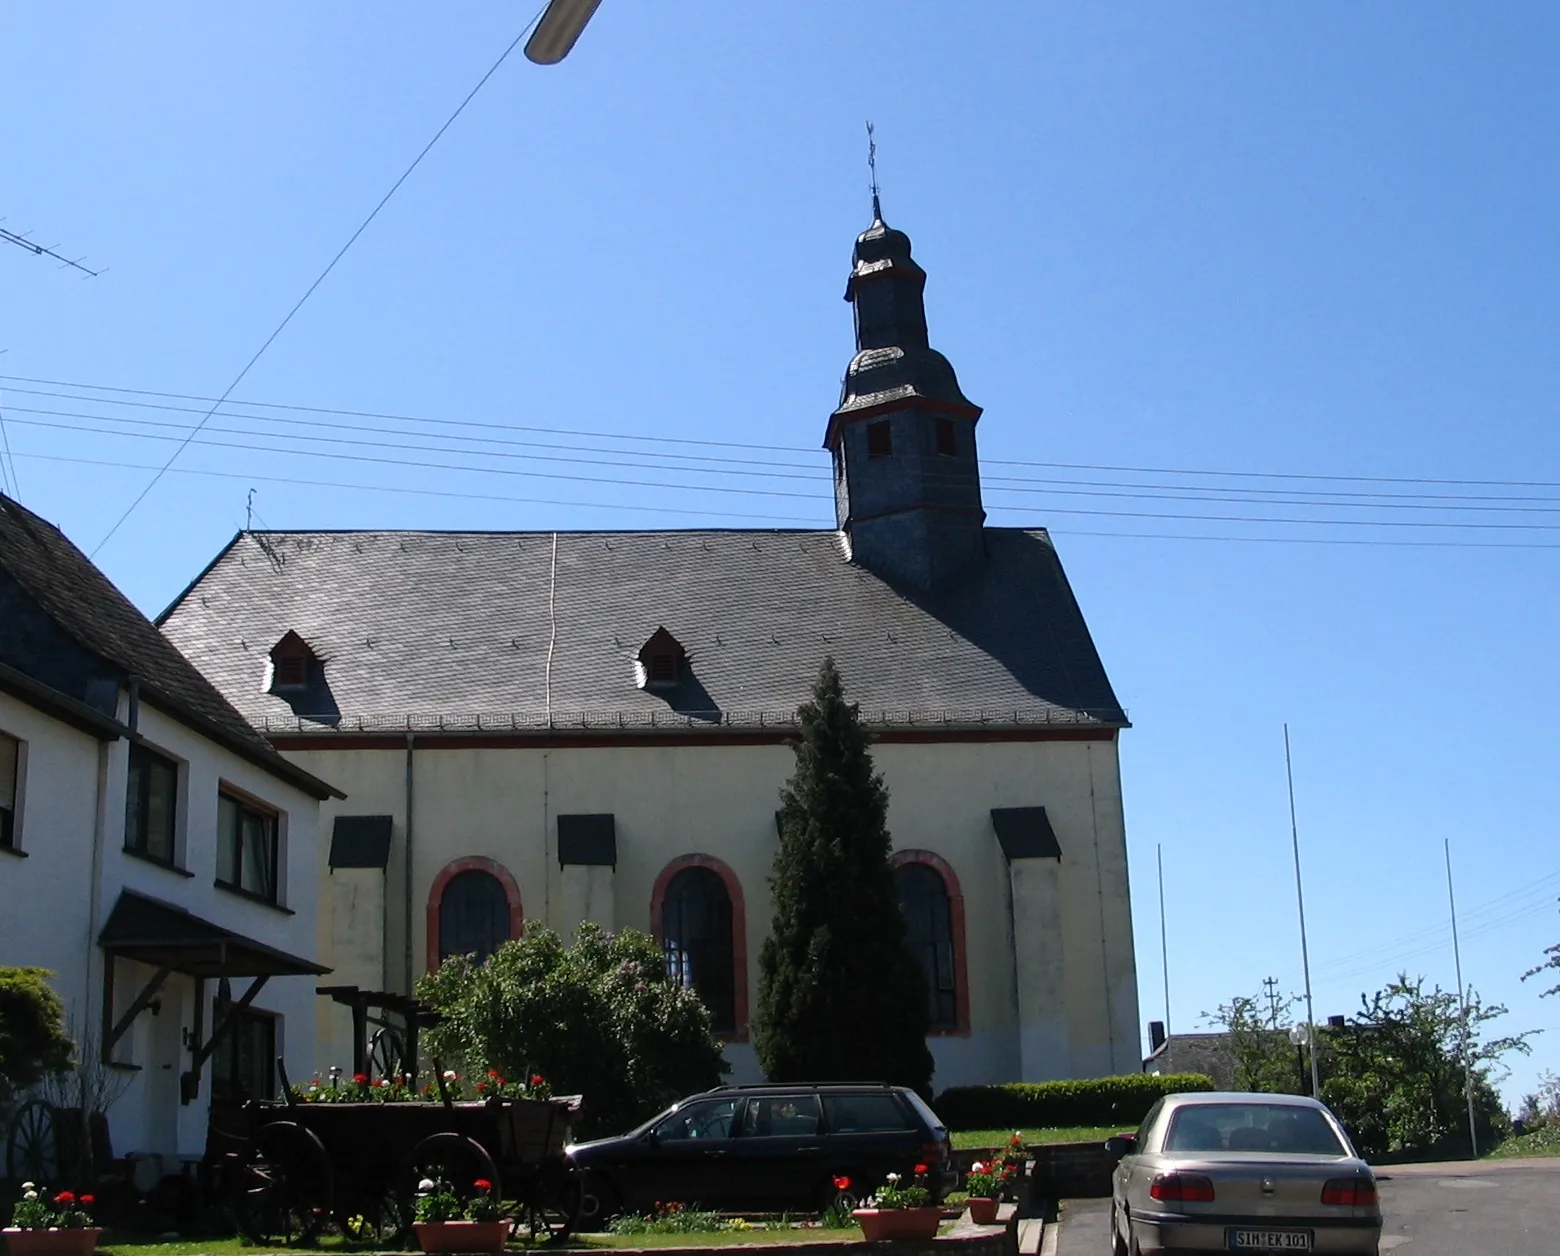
column 1493, row 1208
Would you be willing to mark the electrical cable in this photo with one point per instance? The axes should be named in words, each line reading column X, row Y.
column 330, row 266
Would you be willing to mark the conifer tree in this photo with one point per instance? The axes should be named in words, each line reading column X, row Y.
column 841, row 998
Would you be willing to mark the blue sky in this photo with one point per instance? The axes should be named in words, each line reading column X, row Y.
column 1292, row 240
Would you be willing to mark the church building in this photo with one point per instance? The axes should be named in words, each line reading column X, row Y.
column 571, row 726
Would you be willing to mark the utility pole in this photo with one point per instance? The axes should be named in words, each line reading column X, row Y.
column 1462, row 995
column 1270, row 988
column 1305, row 955
column 1164, row 954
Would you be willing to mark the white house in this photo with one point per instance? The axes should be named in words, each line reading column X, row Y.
column 569, row 726
column 156, row 854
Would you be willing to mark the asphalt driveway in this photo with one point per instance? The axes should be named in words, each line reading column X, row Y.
column 1489, row 1208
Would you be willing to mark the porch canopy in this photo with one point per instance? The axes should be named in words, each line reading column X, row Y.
column 168, row 937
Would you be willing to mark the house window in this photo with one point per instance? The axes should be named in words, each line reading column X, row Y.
column 663, row 669
column 929, row 932
column 151, row 804
column 243, row 1066
column 246, row 848
column 880, row 439
column 947, row 439
column 292, row 673
column 696, row 939
column 10, row 765
column 291, row 661
column 473, row 915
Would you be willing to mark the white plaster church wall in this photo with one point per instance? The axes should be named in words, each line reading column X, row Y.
column 502, row 804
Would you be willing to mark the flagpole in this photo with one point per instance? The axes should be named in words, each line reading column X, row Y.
column 1462, row 995
column 1305, row 955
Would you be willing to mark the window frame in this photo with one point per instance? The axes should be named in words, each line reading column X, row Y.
column 880, row 438
column 686, row 968
column 136, row 843
column 960, row 1028
column 446, row 874
column 11, row 812
column 739, row 946
column 945, row 437
column 247, row 806
column 226, row 1054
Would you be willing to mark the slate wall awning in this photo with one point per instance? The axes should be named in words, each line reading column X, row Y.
column 587, row 839
column 360, row 842
column 1025, row 833
column 156, row 933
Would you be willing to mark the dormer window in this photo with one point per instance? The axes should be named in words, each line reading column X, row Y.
column 661, row 661
column 292, row 664
column 880, row 439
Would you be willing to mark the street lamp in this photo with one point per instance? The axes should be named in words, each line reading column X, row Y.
column 558, row 30
column 1300, row 1035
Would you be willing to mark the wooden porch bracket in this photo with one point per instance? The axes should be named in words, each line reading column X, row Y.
column 142, row 1001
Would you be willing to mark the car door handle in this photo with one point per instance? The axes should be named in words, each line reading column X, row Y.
column 804, row 1150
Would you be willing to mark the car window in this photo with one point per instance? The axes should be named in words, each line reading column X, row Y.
column 708, row 1118
column 1148, row 1121
column 1270, row 1127
column 933, row 1121
column 857, row 1114
column 780, row 1116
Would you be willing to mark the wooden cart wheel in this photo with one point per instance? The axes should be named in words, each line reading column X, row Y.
column 31, row 1149
column 454, row 1159
column 386, row 1054
column 285, row 1187
column 551, row 1208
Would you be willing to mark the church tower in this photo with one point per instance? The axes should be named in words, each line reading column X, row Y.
column 906, row 478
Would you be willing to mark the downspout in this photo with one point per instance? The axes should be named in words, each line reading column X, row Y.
column 99, row 837
column 406, row 873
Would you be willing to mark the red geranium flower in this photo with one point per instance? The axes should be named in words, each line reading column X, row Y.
column 920, row 1168
column 482, row 1184
column 87, row 1201
column 536, row 1079
column 842, row 1184
column 360, row 1078
column 492, row 1072
column 65, row 1197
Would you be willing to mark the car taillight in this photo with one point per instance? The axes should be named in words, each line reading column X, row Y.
column 1349, row 1192
column 1181, row 1188
column 933, row 1151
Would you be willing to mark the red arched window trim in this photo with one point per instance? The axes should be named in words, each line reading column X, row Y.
column 472, row 863
column 739, row 960
column 961, row 981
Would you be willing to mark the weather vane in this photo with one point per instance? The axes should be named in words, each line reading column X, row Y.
column 872, row 168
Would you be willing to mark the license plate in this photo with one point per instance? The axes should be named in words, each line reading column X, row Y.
column 1270, row 1240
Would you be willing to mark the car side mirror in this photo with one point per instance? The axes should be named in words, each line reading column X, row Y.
column 652, row 1137
column 1121, row 1145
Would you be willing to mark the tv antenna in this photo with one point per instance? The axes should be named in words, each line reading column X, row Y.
column 21, row 241
column 877, row 212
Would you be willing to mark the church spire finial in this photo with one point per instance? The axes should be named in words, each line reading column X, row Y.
column 877, row 210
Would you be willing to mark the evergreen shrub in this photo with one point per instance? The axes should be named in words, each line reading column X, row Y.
column 1123, row 1100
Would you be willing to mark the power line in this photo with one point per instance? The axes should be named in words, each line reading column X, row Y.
column 330, row 266
column 13, row 484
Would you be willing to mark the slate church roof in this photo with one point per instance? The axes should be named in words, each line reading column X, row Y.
column 528, row 630
column 64, row 625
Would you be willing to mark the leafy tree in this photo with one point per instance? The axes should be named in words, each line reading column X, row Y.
column 1394, row 1073
column 840, row 995
column 600, row 1018
column 33, row 1042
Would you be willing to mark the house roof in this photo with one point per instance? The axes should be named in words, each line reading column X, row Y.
column 63, row 623
column 528, row 630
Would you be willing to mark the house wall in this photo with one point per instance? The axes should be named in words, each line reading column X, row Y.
column 501, row 803
column 54, row 903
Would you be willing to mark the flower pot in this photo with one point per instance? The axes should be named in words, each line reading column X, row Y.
column 898, row 1223
column 52, row 1242
column 983, row 1209
column 461, row 1236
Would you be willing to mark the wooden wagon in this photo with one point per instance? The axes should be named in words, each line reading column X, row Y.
column 358, row 1165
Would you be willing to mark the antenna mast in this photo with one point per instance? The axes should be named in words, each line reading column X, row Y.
column 21, row 241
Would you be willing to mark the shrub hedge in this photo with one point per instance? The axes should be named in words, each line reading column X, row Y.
column 1043, row 1105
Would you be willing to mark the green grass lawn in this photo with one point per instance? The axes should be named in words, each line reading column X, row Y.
column 1065, row 1134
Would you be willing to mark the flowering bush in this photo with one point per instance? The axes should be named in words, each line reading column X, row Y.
column 36, row 1210
column 990, row 1180
column 671, row 1218
column 436, row 1201
column 483, row 1206
column 895, row 1193
column 360, row 1089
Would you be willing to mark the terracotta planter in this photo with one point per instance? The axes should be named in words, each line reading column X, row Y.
column 52, row 1242
column 898, row 1223
column 983, row 1209
column 461, row 1236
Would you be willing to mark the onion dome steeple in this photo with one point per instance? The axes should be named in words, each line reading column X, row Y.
column 906, row 482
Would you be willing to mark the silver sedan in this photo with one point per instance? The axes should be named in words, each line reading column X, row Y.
column 1241, row 1173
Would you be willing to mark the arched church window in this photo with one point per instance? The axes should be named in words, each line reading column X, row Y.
column 473, row 915
column 696, row 939
column 924, row 899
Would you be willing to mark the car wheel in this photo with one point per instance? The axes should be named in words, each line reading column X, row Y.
column 1118, row 1246
column 599, row 1203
